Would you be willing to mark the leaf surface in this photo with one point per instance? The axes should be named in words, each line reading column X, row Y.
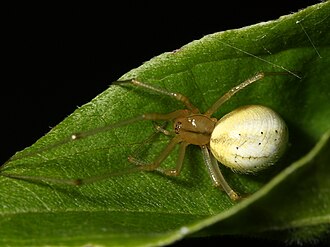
column 289, row 202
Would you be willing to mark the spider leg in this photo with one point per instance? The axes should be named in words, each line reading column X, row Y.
column 80, row 135
column 179, row 163
column 161, row 129
column 141, row 166
column 233, row 91
column 217, row 178
column 79, row 181
column 178, row 96
column 238, row 88
column 145, row 166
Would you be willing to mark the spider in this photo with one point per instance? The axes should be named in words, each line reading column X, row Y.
column 247, row 139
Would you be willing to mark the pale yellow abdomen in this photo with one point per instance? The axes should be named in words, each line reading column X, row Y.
column 249, row 139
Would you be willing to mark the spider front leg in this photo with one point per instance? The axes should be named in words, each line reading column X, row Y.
column 93, row 179
column 178, row 96
column 162, row 156
column 141, row 165
column 259, row 76
column 233, row 91
column 179, row 162
column 155, row 165
column 161, row 129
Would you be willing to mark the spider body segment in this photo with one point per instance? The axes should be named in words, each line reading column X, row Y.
column 195, row 129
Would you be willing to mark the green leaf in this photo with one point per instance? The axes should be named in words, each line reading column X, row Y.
column 290, row 202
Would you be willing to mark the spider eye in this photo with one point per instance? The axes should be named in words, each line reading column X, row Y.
column 178, row 126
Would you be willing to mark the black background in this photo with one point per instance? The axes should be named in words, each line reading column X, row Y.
column 58, row 57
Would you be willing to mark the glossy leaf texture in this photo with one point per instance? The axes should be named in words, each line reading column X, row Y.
column 290, row 202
